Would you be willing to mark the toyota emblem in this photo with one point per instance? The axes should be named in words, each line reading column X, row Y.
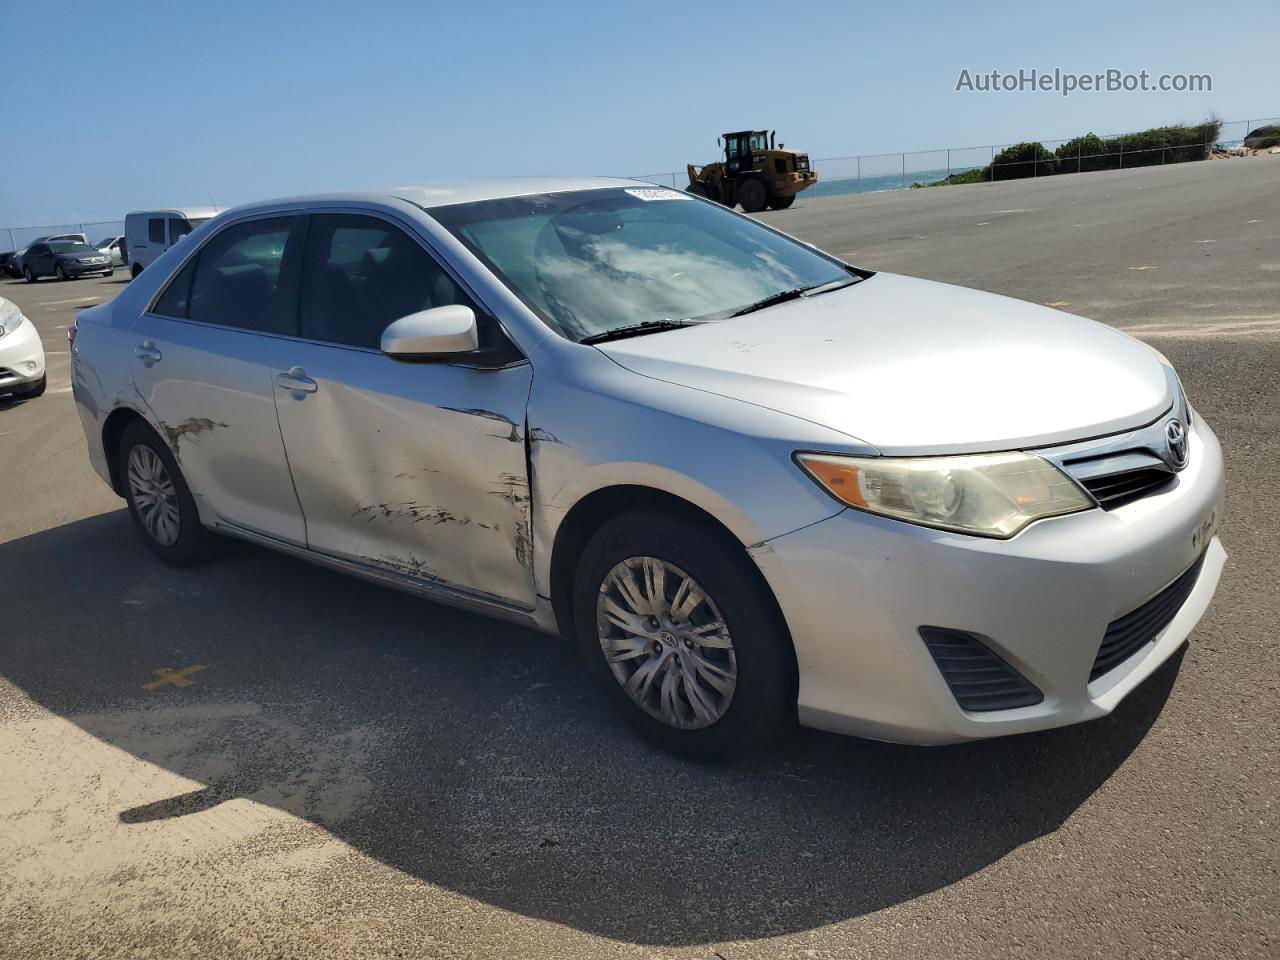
column 1176, row 435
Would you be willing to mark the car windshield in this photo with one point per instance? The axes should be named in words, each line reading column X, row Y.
column 66, row 246
column 105, row 242
column 594, row 261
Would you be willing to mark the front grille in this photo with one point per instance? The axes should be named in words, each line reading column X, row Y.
column 1130, row 633
column 979, row 679
column 1116, row 489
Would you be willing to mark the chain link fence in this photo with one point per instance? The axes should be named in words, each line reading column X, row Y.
column 865, row 173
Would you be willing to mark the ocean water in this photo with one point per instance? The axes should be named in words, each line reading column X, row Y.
column 874, row 184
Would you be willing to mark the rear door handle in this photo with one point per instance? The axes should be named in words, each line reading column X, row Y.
column 147, row 353
column 296, row 382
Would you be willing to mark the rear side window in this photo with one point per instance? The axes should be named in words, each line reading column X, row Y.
column 155, row 230
column 176, row 297
column 240, row 276
column 360, row 273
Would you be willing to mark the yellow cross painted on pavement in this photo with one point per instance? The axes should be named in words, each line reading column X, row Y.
column 179, row 678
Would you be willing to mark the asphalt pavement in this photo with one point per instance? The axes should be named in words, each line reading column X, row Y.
column 263, row 758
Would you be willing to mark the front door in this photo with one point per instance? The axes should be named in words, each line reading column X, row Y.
column 416, row 467
column 202, row 362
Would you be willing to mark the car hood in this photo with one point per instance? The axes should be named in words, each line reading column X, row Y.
column 912, row 366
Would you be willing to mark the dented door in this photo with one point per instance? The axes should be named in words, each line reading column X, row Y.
column 413, row 466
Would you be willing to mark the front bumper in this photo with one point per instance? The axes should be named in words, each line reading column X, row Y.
column 75, row 269
column 21, row 358
column 856, row 588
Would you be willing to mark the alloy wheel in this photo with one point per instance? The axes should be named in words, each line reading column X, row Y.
column 666, row 642
column 154, row 495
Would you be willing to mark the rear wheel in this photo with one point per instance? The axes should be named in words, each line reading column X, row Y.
column 671, row 620
column 752, row 195
column 159, row 499
column 781, row 203
column 137, row 269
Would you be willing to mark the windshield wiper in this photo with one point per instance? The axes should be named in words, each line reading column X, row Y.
column 796, row 294
column 637, row 330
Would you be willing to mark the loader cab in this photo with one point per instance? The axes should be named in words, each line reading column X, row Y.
column 740, row 147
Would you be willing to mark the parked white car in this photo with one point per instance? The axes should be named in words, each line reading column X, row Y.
column 149, row 233
column 113, row 247
column 755, row 483
column 22, row 373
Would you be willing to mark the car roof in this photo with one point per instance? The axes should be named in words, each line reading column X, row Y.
column 191, row 213
column 445, row 193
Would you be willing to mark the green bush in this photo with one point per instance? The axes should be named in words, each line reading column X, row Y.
column 1263, row 137
column 1022, row 160
column 1176, row 144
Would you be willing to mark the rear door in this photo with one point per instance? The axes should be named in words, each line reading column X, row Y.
column 203, row 363
column 417, row 467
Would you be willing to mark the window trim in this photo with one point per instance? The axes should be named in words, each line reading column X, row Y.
column 414, row 234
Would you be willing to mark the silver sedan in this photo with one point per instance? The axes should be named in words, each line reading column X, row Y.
column 757, row 485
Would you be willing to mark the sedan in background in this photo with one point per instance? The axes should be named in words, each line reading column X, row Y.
column 64, row 259
column 22, row 373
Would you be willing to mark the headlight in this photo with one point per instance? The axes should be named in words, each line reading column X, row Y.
column 990, row 495
column 10, row 319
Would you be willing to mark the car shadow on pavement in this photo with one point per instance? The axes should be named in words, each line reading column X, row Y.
column 475, row 756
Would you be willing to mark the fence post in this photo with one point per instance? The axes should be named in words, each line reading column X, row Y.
column 1079, row 150
column 948, row 163
column 903, row 182
column 1122, row 151
column 859, row 183
column 992, row 165
column 12, row 242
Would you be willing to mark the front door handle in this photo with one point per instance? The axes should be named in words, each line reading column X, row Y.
column 147, row 353
column 296, row 382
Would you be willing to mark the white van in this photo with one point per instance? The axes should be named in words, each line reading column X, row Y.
column 149, row 233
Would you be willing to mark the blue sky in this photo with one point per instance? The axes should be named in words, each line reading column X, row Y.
column 145, row 104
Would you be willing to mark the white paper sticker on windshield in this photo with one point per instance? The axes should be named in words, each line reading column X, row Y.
column 657, row 193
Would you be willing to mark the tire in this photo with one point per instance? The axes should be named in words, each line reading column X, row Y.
column 761, row 704
column 35, row 391
column 753, row 195
column 59, row 272
column 107, row 273
column 134, row 271
column 28, row 275
column 781, row 203
column 192, row 544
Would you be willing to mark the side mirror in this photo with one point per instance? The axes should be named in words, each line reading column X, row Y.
column 441, row 333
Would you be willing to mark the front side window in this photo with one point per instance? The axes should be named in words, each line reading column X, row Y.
column 155, row 230
column 178, row 228
column 359, row 274
column 592, row 261
column 759, row 141
column 235, row 279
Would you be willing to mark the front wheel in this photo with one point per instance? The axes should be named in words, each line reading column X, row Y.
column 781, row 203
column 28, row 275
column 752, row 195
column 159, row 499
column 674, row 622
column 59, row 272
column 136, row 269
